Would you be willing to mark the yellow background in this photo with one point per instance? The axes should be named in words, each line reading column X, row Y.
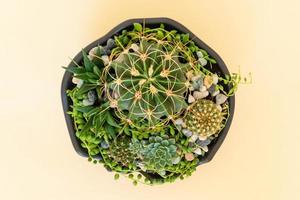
column 259, row 160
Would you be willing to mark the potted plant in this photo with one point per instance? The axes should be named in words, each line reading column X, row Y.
column 149, row 101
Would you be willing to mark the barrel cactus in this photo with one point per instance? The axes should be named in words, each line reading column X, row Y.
column 159, row 154
column 148, row 82
column 120, row 151
column 204, row 118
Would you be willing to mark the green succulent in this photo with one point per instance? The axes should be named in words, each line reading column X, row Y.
column 148, row 82
column 159, row 154
column 120, row 151
column 204, row 118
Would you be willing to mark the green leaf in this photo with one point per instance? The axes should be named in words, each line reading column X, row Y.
column 111, row 121
column 185, row 38
column 117, row 176
column 110, row 130
column 93, row 111
column 85, row 88
column 137, row 27
column 75, row 70
column 87, row 126
column 97, row 71
column 88, row 64
column 84, row 109
column 160, row 34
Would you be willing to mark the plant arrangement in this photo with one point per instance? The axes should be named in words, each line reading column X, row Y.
column 147, row 104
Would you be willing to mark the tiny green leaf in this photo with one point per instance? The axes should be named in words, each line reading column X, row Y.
column 137, row 27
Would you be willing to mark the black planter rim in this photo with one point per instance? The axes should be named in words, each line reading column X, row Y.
column 67, row 80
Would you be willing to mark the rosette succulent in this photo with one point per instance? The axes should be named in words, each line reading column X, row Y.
column 159, row 154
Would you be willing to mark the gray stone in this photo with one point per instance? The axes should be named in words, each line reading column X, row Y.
column 220, row 99
column 205, row 148
column 92, row 96
column 110, row 43
column 212, row 90
column 187, row 132
column 193, row 138
column 191, row 99
column 215, row 79
column 219, row 108
column 196, row 78
column 200, row 95
column 104, row 145
column 203, row 143
column 189, row 156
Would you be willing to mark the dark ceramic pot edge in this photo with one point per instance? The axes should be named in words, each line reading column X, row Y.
column 68, row 76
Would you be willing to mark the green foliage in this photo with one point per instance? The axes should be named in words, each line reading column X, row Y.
column 159, row 154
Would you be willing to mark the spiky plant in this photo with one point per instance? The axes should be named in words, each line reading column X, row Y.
column 204, row 118
column 159, row 154
column 120, row 151
column 148, row 82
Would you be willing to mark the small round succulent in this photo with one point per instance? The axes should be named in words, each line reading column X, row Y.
column 204, row 118
column 120, row 151
column 159, row 154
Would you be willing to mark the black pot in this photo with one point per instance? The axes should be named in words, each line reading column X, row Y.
column 219, row 68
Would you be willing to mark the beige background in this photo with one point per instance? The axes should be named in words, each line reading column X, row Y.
column 258, row 160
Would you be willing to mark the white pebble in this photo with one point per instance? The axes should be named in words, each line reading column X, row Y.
column 134, row 47
column 199, row 54
column 219, row 108
column 196, row 78
column 187, row 132
column 191, row 99
column 105, row 59
column 220, row 98
column 202, row 61
column 193, row 138
column 179, row 121
column 205, row 148
column 215, row 79
column 198, row 151
column 176, row 160
column 86, row 102
column 200, row 95
column 202, row 88
column 215, row 93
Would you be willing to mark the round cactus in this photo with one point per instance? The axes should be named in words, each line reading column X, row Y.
column 148, row 82
column 120, row 151
column 204, row 118
column 159, row 154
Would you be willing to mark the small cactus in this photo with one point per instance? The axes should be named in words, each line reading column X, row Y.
column 204, row 118
column 120, row 151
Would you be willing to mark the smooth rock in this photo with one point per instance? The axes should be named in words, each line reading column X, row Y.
column 104, row 145
column 92, row 96
column 208, row 81
column 198, row 151
column 105, row 59
column 187, row 132
column 199, row 54
column 203, row 143
column 179, row 121
column 75, row 80
column 202, row 88
column 183, row 125
column 200, row 95
column 80, row 83
column 202, row 61
column 193, row 138
column 215, row 79
column 93, row 52
column 221, row 98
column 202, row 137
column 87, row 102
column 134, row 47
column 176, row 160
column 189, row 74
column 110, row 43
column 205, row 148
column 195, row 85
column 189, row 156
column 120, row 58
column 191, row 99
